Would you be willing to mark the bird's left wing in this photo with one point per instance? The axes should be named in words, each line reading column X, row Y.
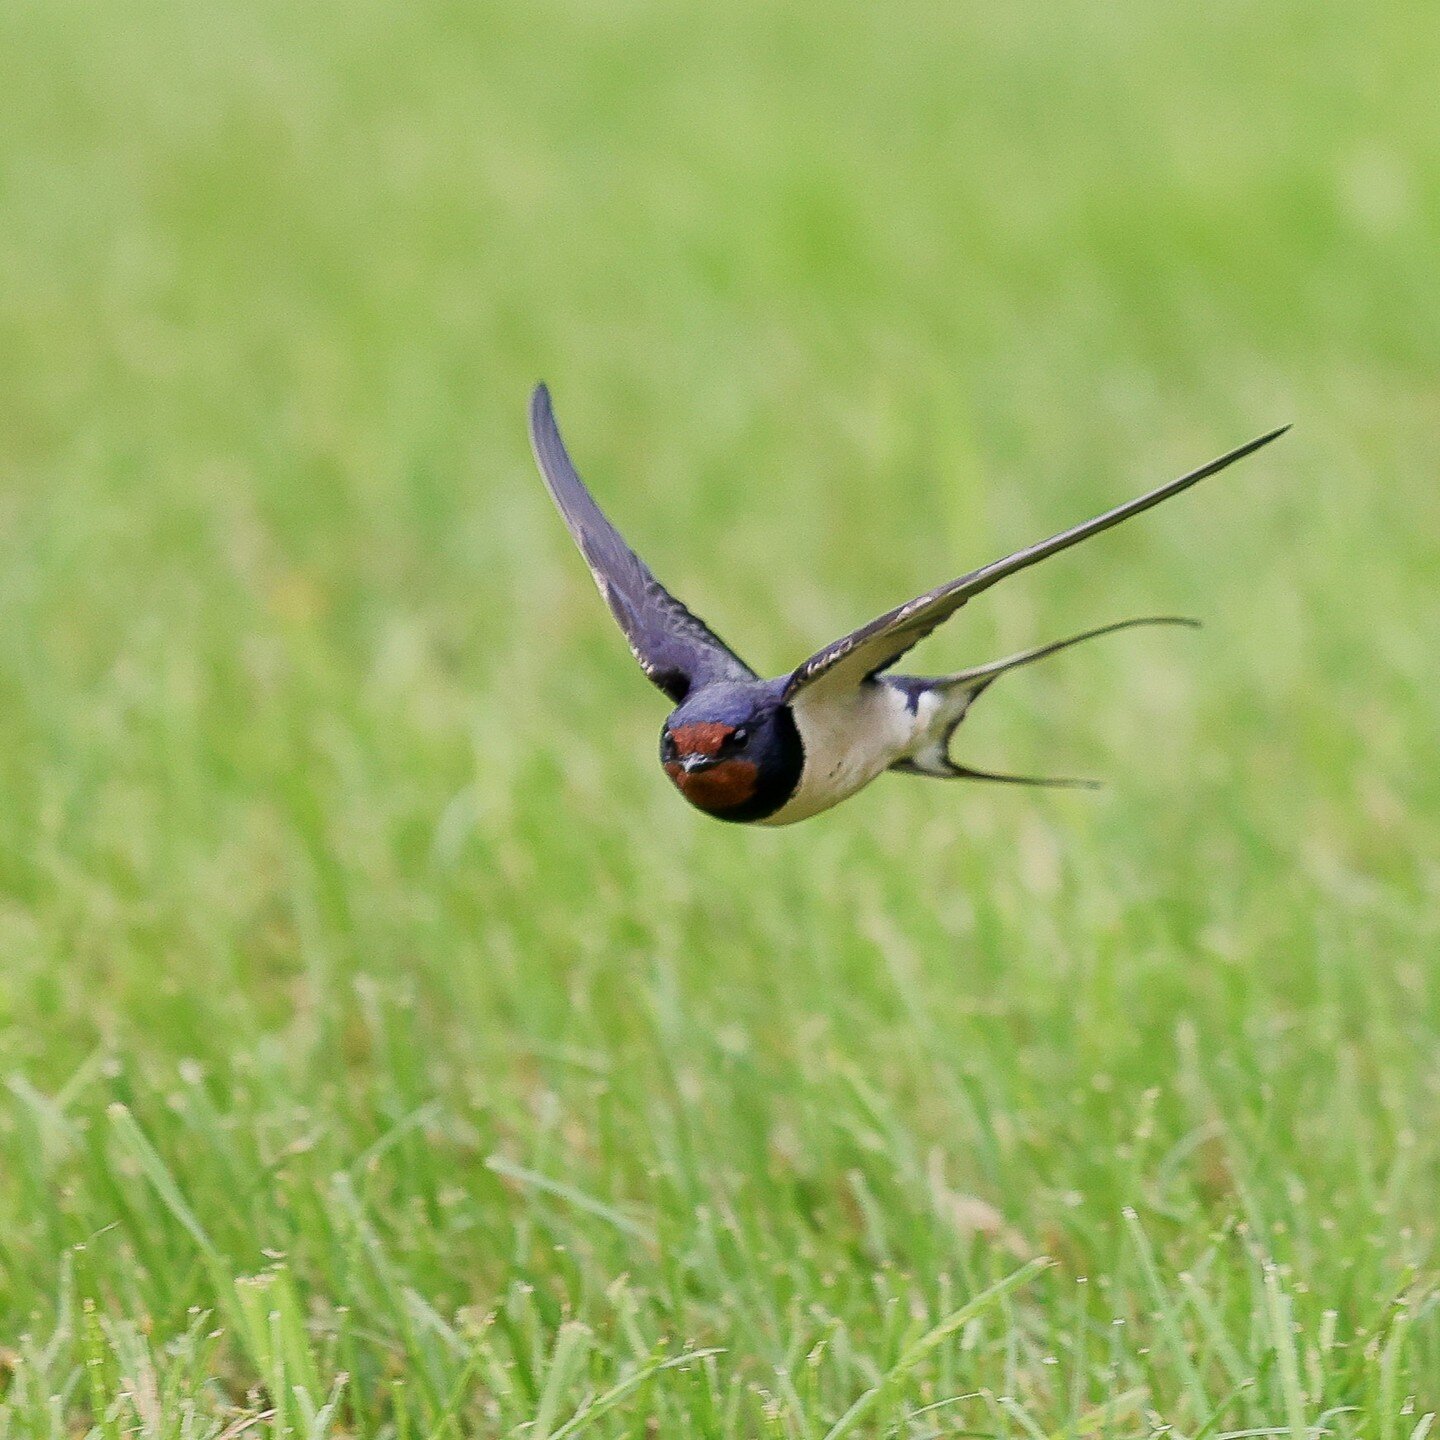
column 878, row 645
column 676, row 650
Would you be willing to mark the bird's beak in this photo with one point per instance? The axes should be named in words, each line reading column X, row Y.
column 689, row 764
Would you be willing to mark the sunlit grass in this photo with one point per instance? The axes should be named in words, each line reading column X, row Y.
column 386, row 1050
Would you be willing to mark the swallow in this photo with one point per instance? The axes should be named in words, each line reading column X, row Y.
column 772, row 752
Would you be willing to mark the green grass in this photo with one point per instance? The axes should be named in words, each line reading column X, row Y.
column 385, row 1050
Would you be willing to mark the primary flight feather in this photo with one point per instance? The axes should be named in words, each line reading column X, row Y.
column 775, row 751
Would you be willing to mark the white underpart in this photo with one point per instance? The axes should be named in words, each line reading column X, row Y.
column 851, row 734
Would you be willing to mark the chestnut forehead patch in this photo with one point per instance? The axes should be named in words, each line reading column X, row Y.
column 721, row 787
column 703, row 738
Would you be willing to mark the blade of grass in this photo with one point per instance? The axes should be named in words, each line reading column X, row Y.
column 914, row 1353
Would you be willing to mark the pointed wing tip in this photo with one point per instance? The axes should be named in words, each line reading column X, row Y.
column 1226, row 460
column 545, row 439
column 1270, row 435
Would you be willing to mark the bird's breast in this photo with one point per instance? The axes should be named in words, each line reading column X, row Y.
column 849, row 738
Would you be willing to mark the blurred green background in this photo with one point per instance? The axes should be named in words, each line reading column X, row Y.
column 376, row 1025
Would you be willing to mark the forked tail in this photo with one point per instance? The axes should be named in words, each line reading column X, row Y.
column 949, row 697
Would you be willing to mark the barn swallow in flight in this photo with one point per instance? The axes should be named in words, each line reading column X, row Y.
column 775, row 751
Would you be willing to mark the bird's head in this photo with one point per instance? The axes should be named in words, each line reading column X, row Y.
column 733, row 751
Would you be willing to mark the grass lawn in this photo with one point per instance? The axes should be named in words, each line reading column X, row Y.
column 385, row 1049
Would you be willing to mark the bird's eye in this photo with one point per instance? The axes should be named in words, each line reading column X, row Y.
column 667, row 746
column 740, row 735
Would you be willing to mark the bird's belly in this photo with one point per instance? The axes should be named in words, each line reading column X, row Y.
column 847, row 742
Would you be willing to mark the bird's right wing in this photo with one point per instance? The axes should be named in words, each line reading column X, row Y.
column 676, row 650
column 878, row 645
